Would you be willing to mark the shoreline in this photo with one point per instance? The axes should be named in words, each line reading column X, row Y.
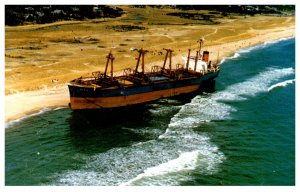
column 236, row 53
column 23, row 104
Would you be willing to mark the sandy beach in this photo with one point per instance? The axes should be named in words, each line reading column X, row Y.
column 22, row 100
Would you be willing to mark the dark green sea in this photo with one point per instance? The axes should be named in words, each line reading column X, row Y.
column 243, row 133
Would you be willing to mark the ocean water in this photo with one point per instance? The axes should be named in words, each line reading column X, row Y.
column 241, row 134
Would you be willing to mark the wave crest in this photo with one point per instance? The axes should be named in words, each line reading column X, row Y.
column 258, row 46
column 281, row 84
column 214, row 107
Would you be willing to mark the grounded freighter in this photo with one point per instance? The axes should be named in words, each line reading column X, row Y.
column 104, row 90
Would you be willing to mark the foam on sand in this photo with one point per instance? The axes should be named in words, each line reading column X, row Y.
column 16, row 105
column 10, row 123
column 258, row 46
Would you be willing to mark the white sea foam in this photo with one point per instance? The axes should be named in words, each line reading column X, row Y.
column 178, row 152
column 248, row 49
column 204, row 160
column 267, row 43
column 10, row 123
column 161, row 110
column 186, row 161
column 213, row 107
column 59, row 108
column 236, row 55
column 147, row 162
column 258, row 83
column 281, row 84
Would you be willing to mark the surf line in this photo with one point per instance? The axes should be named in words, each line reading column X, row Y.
column 42, row 111
column 281, row 84
column 257, row 46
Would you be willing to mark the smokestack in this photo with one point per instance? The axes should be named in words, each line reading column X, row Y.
column 205, row 56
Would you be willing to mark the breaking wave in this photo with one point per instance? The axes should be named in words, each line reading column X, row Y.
column 153, row 162
column 147, row 163
column 249, row 49
column 276, row 41
column 213, row 107
column 163, row 174
column 281, row 84
column 42, row 111
column 236, row 55
column 10, row 123
column 175, row 155
column 59, row 108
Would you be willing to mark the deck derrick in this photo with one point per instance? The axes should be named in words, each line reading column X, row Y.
column 136, row 86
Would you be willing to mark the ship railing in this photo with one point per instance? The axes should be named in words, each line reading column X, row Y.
column 82, row 80
column 127, row 71
column 135, row 78
column 179, row 66
column 97, row 75
column 155, row 69
column 213, row 69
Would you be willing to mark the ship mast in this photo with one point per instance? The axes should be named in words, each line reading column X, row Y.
column 200, row 45
column 188, row 59
column 196, row 61
column 168, row 54
column 110, row 58
column 141, row 55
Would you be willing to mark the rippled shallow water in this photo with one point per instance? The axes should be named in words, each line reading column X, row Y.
column 241, row 134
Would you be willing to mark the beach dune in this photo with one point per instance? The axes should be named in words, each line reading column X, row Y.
column 39, row 64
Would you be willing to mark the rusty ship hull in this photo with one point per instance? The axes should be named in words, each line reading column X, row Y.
column 135, row 86
column 91, row 97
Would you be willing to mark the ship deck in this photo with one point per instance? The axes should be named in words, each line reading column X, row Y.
column 131, row 80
